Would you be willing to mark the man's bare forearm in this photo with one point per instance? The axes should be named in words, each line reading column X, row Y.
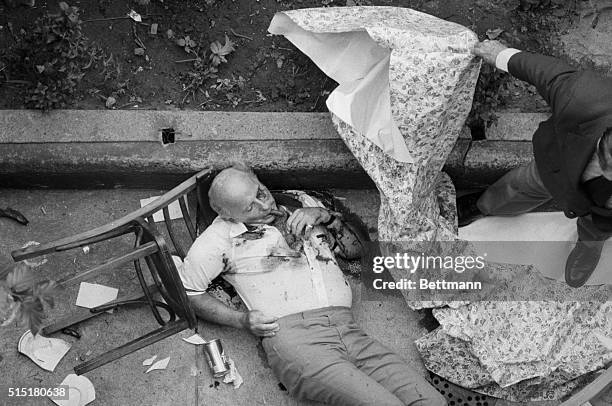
column 211, row 309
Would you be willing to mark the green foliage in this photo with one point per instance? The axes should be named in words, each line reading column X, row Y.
column 53, row 55
column 25, row 299
column 187, row 44
column 488, row 97
column 195, row 79
column 218, row 52
column 535, row 4
column 203, row 68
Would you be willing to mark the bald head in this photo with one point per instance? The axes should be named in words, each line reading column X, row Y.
column 236, row 194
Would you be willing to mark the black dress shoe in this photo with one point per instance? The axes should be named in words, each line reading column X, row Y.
column 582, row 261
column 467, row 211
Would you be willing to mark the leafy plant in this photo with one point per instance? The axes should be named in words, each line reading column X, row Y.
column 24, row 300
column 53, row 55
column 187, row 44
column 533, row 4
column 219, row 52
column 488, row 96
column 204, row 68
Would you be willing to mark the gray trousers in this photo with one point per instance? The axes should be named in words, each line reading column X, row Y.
column 520, row 191
column 323, row 355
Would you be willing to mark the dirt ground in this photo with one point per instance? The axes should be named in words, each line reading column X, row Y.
column 265, row 73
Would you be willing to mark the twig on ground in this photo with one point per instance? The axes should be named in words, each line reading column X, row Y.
column 240, row 35
column 187, row 60
column 137, row 39
column 284, row 49
column 19, row 82
column 117, row 18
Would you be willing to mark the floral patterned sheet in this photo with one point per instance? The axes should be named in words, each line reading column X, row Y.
column 406, row 82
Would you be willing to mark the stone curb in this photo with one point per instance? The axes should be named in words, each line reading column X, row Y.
column 123, row 148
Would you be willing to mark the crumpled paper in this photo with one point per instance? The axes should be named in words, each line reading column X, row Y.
column 233, row 376
column 46, row 352
column 80, row 391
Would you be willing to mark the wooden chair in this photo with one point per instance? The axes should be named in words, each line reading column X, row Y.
column 150, row 246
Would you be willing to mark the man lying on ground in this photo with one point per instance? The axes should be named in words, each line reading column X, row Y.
column 299, row 301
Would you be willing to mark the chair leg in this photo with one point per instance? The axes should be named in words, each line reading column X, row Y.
column 86, row 314
column 154, row 336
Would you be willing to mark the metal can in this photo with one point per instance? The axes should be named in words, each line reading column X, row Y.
column 217, row 360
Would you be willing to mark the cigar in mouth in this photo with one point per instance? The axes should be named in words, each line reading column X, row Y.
column 276, row 213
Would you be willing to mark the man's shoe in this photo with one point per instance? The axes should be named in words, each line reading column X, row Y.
column 467, row 211
column 582, row 261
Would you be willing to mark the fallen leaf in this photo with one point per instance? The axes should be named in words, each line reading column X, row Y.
column 149, row 361
column 110, row 102
column 135, row 16
column 169, row 34
column 139, row 51
column 161, row 364
column 153, row 29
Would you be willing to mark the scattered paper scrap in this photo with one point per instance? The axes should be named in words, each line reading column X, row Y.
column 135, row 16
column 34, row 263
column 193, row 371
column 233, row 376
column 161, row 364
column 80, row 391
column 92, row 295
column 44, row 351
column 149, row 361
column 195, row 339
column 174, row 209
column 153, row 30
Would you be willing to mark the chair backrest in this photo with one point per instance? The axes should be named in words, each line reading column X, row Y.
column 192, row 198
column 194, row 220
column 164, row 273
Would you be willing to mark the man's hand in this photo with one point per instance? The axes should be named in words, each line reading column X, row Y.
column 259, row 324
column 488, row 50
column 299, row 221
column 604, row 152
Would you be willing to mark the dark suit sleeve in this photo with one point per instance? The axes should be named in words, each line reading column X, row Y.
column 554, row 79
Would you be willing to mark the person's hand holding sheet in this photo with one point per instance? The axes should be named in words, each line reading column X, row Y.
column 488, row 50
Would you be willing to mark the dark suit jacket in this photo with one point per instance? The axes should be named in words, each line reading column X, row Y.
column 581, row 103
